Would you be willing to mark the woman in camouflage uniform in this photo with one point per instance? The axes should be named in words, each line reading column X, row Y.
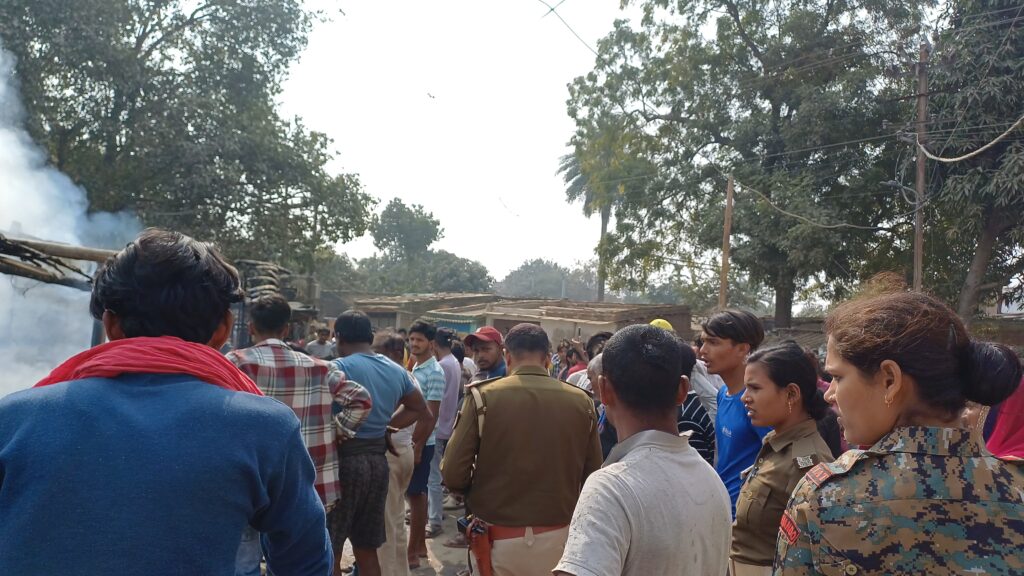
column 926, row 497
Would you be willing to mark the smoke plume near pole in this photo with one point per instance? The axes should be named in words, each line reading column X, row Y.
column 41, row 325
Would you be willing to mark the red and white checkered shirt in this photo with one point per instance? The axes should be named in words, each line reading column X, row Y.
column 309, row 386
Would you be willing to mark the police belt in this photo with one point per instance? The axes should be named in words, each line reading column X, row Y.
column 510, row 532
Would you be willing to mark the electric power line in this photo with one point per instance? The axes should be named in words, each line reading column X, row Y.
column 551, row 9
column 969, row 155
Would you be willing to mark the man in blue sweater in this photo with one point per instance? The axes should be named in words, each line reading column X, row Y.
column 151, row 454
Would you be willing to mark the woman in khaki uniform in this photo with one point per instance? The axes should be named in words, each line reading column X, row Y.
column 782, row 393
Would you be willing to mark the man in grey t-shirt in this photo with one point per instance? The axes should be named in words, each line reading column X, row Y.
column 656, row 507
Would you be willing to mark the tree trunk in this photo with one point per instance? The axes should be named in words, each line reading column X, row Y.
column 967, row 305
column 606, row 214
column 785, row 288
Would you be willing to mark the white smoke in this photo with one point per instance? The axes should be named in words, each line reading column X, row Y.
column 41, row 325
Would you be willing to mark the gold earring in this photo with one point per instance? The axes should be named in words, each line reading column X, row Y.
column 790, row 404
column 888, row 402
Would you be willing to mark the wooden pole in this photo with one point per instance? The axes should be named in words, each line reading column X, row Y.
column 15, row 268
column 723, row 286
column 66, row 250
column 922, row 121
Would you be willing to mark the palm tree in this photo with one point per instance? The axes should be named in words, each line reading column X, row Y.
column 595, row 198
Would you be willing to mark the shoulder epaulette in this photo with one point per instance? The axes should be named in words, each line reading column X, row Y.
column 805, row 453
column 822, row 472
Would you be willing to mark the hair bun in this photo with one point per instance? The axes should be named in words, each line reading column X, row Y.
column 991, row 372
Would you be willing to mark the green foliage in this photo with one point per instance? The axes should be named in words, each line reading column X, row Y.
column 431, row 271
column 408, row 264
column 769, row 97
column 405, row 231
column 337, row 272
column 977, row 215
column 544, row 279
column 167, row 109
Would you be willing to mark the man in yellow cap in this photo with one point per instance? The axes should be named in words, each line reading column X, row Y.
column 663, row 324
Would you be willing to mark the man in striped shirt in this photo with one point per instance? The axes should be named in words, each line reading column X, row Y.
column 310, row 387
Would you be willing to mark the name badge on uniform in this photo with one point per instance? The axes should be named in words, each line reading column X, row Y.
column 789, row 529
column 804, row 462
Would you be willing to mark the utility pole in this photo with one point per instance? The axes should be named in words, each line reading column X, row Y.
column 922, row 131
column 723, row 286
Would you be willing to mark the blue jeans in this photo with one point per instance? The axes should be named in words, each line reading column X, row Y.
column 435, row 495
column 247, row 562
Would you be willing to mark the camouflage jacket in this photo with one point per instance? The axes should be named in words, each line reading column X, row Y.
column 920, row 501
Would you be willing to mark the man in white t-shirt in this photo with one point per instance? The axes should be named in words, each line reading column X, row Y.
column 656, row 507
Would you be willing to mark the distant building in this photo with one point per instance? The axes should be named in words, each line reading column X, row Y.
column 401, row 311
column 559, row 318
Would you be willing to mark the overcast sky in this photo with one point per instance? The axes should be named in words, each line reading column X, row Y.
column 458, row 106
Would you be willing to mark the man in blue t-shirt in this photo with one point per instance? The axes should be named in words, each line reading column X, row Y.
column 362, row 466
column 729, row 337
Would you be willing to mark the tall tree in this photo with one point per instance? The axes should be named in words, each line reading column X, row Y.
column 976, row 217
column 540, row 278
column 598, row 172
column 167, row 109
column 405, row 231
column 404, row 235
column 788, row 96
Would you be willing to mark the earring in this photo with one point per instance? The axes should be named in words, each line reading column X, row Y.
column 888, row 402
column 790, row 404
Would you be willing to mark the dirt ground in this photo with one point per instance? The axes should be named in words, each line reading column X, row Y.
column 443, row 561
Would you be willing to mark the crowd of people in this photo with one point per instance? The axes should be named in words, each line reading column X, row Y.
column 630, row 453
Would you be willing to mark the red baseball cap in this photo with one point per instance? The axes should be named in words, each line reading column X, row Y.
column 487, row 334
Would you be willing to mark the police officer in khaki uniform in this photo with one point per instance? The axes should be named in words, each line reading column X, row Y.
column 522, row 447
column 781, row 393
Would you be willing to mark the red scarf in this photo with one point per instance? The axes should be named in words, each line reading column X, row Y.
column 1007, row 440
column 144, row 355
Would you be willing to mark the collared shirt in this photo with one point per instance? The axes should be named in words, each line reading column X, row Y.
column 781, row 463
column 538, row 432
column 431, row 378
column 654, row 508
column 450, row 403
column 309, row 387
column 920, row 501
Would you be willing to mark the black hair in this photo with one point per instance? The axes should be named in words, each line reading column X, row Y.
column 353, row 327
column 445, row 338
column 740, row 326
column 573, row 353
column 527, row 338
column 459, row 350
column 166, row 284
column 321, row 330
column 689, row 358
column 270, row 313
column 787, row 363
column 930, row 343
column 389, row 342
column 427, row 329
column 596, row 343
column 402, row 331
column 644, row 363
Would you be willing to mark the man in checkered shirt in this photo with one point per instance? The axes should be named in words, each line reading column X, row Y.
column 314, row 389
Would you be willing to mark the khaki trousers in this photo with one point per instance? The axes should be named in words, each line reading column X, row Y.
column 737, row 569
column 531, row 555
column 393, row 556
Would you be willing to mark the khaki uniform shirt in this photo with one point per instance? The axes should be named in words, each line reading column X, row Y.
column 539, row 444
column 920, row 501
column 781, row 463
